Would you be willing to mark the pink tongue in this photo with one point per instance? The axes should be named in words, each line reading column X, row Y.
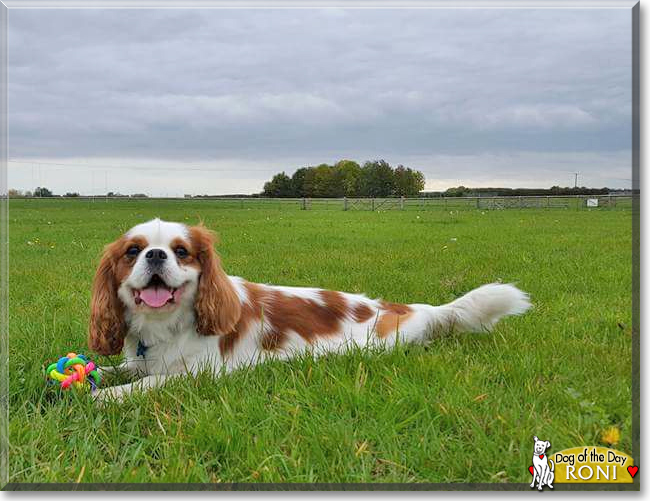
column 155, row 296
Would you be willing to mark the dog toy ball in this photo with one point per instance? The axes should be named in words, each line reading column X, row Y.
column 74, row 370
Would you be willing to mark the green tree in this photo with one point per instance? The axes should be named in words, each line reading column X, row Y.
column 377, row 179
column 456, row 192
column 347, row 178
column 408, row 182
column 310, row 182
column 419, row 182
column 42, row 192
column 280, row 187
column 325, row 183
column 299, row 186
column 348, row 174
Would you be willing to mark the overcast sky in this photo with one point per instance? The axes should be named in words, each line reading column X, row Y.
column 216, row 101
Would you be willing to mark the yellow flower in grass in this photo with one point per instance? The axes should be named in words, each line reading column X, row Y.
column 611, row 435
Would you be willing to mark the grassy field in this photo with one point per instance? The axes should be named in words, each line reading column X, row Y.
column 462, row 409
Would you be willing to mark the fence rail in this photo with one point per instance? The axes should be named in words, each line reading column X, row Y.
column 576, row 202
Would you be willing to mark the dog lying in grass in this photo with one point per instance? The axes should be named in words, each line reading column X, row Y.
column 161, row 297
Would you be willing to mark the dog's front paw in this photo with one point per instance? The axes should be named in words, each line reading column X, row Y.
column 110, row 394
column 105, row 369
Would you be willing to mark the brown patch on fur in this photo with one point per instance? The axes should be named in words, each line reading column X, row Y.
column 336, row 302
column 251, row 311
column 227, row 342
column 273, row 340
column 400, row 309
column 362, row 313
column 394, row 315
column 217, row 304
column 123, row 263
column 280, row 313
column 107, row 327
column 306, row 317
column 191, row 256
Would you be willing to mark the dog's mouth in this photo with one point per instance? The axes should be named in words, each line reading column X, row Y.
column 157, row 293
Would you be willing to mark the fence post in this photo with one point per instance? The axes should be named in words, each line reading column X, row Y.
column 478, row 204
column 345, row 203
column 241, row 203
column 401, row 203
column 304, row 204
column 372, row 204
column 521, row 202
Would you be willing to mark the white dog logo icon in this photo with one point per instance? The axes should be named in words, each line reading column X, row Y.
column 541, row 469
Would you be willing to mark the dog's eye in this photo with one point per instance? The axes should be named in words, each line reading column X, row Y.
column 133, row 251
column 181, row 252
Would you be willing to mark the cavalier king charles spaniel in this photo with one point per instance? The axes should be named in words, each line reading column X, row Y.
column 161, row 297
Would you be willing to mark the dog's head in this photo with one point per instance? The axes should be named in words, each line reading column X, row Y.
column 541, row 445
column 159, row 271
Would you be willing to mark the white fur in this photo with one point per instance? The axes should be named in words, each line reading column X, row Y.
column 175, row 347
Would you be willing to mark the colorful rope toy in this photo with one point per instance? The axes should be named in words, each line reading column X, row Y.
column 74, row 370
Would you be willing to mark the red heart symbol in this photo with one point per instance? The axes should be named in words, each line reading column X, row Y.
column 541, row 456
column 632, row 470
column 532, row 469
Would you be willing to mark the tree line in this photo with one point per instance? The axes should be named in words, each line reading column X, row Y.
column 43, row 192
column 462, row 191
column 346, row 178
column 305, row 180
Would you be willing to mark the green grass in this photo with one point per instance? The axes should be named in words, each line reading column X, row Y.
column 462, row 409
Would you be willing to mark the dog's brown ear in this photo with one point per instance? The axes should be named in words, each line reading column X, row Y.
column 107, row 327
column 217, row 304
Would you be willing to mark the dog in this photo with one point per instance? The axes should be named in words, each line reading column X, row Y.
column 161, row 297
column 544, row 473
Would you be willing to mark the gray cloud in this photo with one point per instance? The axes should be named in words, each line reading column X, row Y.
column 279, row 86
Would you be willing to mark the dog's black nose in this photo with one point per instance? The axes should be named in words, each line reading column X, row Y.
column 155, row 257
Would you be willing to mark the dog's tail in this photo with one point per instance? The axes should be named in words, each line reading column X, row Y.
column 551, row 465
column 480, row 309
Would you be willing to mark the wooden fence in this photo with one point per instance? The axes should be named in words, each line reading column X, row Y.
column 567, row 202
